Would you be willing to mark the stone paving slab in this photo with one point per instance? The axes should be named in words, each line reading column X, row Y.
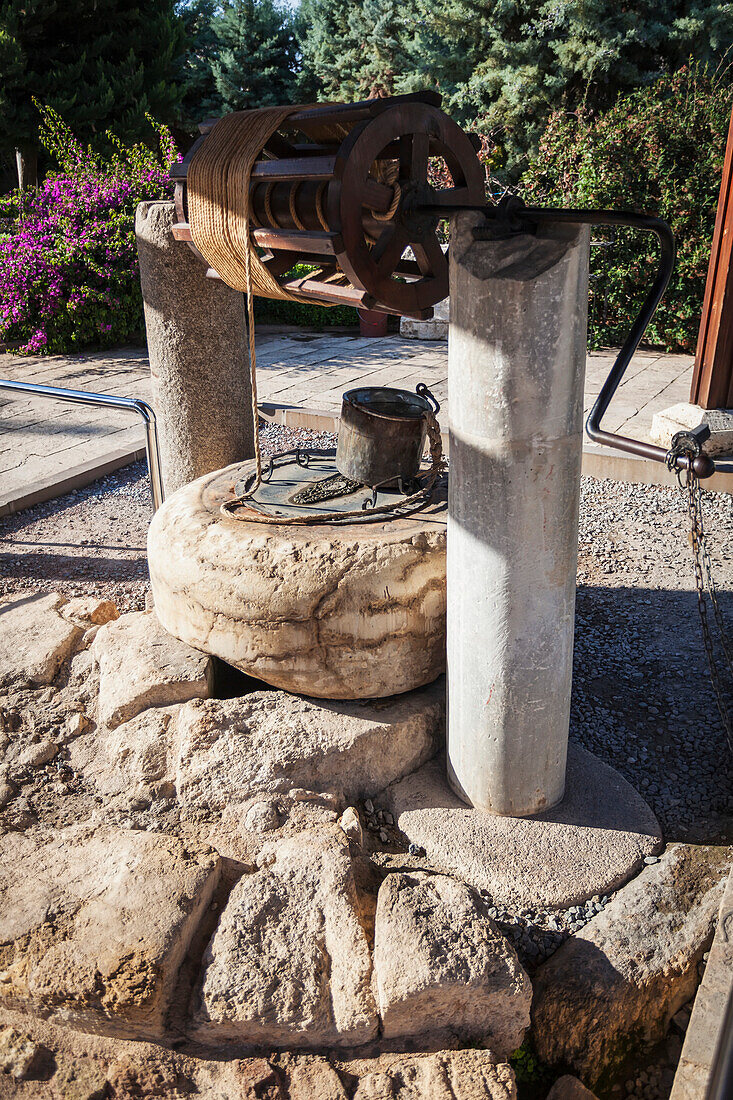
column 47, row 447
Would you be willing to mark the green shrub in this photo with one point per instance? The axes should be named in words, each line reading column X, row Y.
column 658, row 151
column 68, row 262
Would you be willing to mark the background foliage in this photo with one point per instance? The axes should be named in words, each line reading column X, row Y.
column 240, row 54
column 68, row 261
column 659, row 151
column 103, row 65
column 579, row 102
column 504, row 66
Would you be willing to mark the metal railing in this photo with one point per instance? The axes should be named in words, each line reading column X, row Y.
column 107, row 401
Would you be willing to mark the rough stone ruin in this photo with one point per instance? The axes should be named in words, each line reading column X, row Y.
column 236, row 896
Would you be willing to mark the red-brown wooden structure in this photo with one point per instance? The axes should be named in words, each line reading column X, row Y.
column 712, row 381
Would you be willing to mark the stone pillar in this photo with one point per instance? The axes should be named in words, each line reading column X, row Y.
column 197, row 343
column 516, row 366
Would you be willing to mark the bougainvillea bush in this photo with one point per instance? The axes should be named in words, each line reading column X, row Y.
column 658, row 151
column 68, row 262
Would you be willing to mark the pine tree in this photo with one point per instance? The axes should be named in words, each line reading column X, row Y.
column 255, row 60
column 354, row 49
column 507, row 64
column 380, row 62
column 331, row 48
column 102, row 64
column 200, row 98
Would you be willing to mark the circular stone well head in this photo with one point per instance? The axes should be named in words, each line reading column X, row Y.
column 348, row 611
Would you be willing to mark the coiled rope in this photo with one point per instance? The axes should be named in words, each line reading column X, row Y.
column 220, row 213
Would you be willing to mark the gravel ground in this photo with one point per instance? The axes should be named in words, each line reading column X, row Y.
column 642, row 699
column 92, row 541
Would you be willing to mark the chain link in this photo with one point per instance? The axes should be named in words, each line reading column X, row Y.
column 705, row 585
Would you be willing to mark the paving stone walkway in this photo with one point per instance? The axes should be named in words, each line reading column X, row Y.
column 47, row 446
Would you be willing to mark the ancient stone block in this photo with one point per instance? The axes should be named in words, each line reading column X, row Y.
column 228, row 750
column 35, row 639
column 135, row 753
column 708, row 1014
column 141, row 666
column 446, row 1075
column 441, row 964
column 95, row 922
column 616, row 984
column 289, row 964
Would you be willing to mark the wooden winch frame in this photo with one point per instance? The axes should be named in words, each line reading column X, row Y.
column 344, row 187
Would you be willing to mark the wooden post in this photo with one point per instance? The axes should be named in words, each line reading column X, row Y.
column 712, row 380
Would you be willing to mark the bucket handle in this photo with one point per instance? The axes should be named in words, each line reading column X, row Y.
column 422, row 391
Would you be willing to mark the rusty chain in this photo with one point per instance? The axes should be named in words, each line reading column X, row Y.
column 704, row 579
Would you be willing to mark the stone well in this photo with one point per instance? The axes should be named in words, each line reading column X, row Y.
column 349, row 611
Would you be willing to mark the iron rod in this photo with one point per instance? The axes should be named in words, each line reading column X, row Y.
column 703, row 466
column 107, row 401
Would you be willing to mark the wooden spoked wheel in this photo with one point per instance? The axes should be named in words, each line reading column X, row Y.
column 399, row 143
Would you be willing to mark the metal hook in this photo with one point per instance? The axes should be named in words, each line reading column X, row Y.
column 422, row 391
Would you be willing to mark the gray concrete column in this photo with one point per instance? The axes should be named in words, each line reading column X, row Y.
column 516, row 366
column 197, row 343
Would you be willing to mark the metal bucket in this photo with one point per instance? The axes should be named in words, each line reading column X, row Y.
column 382, row 433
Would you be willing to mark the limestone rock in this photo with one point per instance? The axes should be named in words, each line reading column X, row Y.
column 593, row 841
column 447, row 1075
column 684, row 416
column 95, row 923
column 35, row 639
column 441, row 964
column 338, row 612
column 243, row 829
column 230, row 749
column 616, row 984
column 141, row 666
column 37, row 754
column 569, row 1088
column 313, row 1078
column 351, row 825
column 18, row 1053
column 135, row 753
column 708, row 1014
column 289, row 963
column 89, row 609
column 129, row 1077
column 262, row 816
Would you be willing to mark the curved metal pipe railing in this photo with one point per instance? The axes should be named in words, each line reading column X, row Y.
column 107, row 401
